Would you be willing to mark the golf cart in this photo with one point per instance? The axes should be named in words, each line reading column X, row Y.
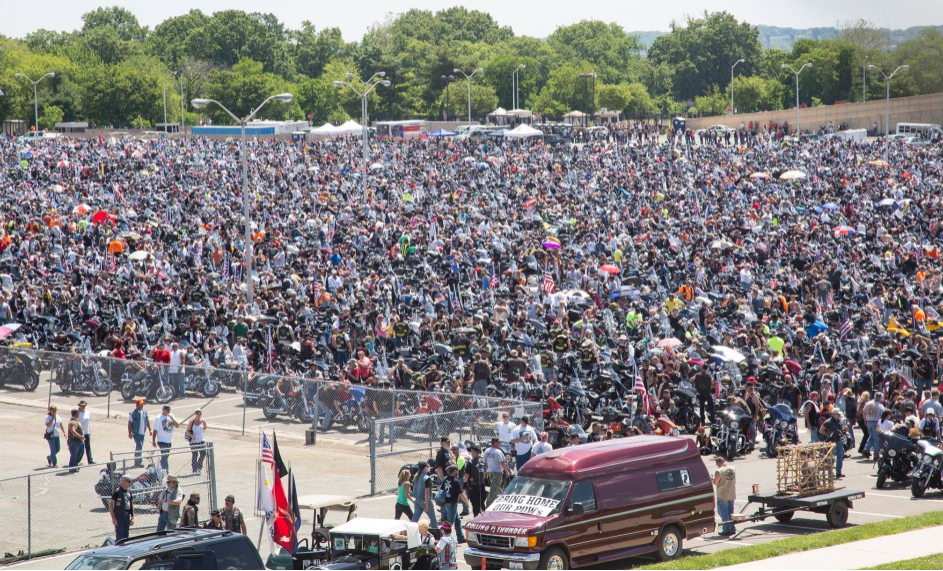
column 314, row 552
column 365, row 543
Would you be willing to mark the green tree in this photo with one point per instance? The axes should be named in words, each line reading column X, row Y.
column 632, row 99
column 702, row 52
column 924, row 55
column 313, row 50
column 116, row 94
column 232, row 35
column 319, row 98
column 121, row 20
column 170, row 38
column 712, row 103
column 605, row 47
column 755, row 93
column 483, row 100
column 50, row 116
column 242, row 90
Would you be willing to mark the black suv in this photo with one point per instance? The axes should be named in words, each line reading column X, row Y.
column 185, row 548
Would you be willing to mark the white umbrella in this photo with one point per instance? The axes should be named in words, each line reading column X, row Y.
column 792, row 175
column 728, row 353
column 376, row 166
column 140, row 255
column 703, row 300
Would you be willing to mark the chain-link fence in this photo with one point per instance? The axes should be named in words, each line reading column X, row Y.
column 247, row 400
column 399, row 441
column 67, row 509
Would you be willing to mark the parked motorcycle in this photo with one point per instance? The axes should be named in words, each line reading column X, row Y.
column 781, row 428
column 729, row 434
column 899, row 455
column 79, row 377
column 927, row 474
column 352, row 412
column 138, row 381
column 293, row 404
column 203, row 382
column 19, row 369
column 685, row 414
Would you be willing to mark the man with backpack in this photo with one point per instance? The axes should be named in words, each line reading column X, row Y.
column 447, row 547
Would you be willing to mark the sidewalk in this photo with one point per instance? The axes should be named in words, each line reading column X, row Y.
column 859, row 554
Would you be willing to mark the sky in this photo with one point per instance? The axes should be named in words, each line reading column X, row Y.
column 526, row 17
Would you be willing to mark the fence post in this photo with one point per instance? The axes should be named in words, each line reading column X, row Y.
column 373, row 457
column 52, row 378
column 111, row 378
column 211, row 468
column 245, row 387
column 29, row 515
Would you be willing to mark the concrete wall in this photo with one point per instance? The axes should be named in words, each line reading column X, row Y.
column 918, row 109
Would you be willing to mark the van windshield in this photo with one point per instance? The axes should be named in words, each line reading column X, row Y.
column 537, row 496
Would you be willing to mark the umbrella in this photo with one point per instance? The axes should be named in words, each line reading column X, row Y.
column 131, row 235
column 759, row 175
column 609, row 269
column 551, row 243
column 81, row 209
column 139, row 255
column 728, row 353
column 101, row 216
column 878, row 163
column 721, row 244
column 887, row 202
column 624, row 291
column 703, row 300
column 792, row 175
column 844, row 230
column 376, row 166
column 830, row 206
column 8, row 329
column 668, row 342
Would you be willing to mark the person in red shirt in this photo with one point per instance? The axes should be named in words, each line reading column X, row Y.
column 162, row 355
column 118, row 352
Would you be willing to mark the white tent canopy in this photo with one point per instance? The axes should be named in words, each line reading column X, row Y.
column 522, row 131
column 324, row 130
column 349, row 128
column 499, row 112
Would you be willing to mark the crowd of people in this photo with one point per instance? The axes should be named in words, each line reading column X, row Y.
column 815, row 260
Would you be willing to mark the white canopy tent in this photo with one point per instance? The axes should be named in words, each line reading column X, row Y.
column 325, row 130
column 523, row 131
column 351, row 127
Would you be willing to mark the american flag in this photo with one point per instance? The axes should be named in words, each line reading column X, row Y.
column 845, row 327
column 227, row 262
column 270, row 357
column 640, row 388
column 494, row 279
column 548, row 283
column 268, row 457
column 317, row 290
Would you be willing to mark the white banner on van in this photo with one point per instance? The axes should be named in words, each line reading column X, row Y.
column 533, row 505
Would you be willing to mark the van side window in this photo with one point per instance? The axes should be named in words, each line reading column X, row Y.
column 583, row 494
column 673, row 479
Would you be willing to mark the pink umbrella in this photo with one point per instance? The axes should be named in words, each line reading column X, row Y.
column 101, row 216
column 844, row 230
column 551, row 243
column 8, row 329
column 669, row 342
column 609, row 269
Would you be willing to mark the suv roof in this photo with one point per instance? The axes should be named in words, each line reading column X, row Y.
column 160, row 542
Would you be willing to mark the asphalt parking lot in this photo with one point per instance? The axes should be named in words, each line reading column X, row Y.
column 338, row 466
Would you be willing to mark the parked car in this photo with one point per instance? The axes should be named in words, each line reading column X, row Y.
column 571, row 507
column 182, row 548
column 37, row 135
column 719, row 129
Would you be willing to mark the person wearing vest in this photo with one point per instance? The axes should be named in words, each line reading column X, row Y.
column 75, row 441
column 190, row 516
column 341, row 347
column 139, row 426
column 422, row 495
column 232, row 517
column 168, row 504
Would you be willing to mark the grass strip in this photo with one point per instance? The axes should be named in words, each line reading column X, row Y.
column 805, row 543
column 934, row 562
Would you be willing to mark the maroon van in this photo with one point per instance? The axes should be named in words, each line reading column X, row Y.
column 594, row 503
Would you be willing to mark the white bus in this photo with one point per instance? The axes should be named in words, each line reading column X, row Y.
column 927, row 131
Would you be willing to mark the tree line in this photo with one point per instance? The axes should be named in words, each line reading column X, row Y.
column 113, row 71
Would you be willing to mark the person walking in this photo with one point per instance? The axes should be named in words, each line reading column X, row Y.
column 544, row 445
column 232, row 517
column 725, row 480
column 523, row 437
column 196, row 435
column 121, row 509
column 497, row 468
column 453, row 493
column 403, row 489
column 475, row 475
column 422, row 495
column 139, row 426
column 85, row 418
column 447, row 547
column 833, row 431
column 190, row 516
column 53, row 428
column 75, row 440
column 872, row 416
column 163, row 435
column 178, row 357
column 168, row 504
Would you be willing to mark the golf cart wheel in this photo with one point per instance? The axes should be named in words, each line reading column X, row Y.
column 837, row 515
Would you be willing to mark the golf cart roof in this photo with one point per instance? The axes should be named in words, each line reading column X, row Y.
column 382, row 528
column 326, row 501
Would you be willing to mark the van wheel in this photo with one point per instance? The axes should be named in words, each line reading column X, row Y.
column 669, row 544
column 554, row 558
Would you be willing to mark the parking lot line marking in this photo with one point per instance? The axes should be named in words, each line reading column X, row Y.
column 908, row 498
column 223, row 415
column 875, row 515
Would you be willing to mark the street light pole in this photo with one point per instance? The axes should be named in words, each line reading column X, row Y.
column 367, row 87
column 739, row 61
column 887, row 104
column 448, row 79
column 515, row 87
column 244, row 152
column 51, row 74
column 790, row 68
column 468, row 81
column 165, row 102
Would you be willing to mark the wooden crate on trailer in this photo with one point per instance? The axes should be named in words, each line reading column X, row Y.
column 806, row 469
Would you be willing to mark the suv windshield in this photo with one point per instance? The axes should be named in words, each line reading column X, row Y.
column 97, row 562
column 523, row 495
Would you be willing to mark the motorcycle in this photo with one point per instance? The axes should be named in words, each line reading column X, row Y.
column 781, row 428
column 81, row 377
column 898, row 457
column 685, row 414
column 729, row 434
column 145, row 488
column 927, row 474
column 138, row 381
column 576, row 408
column 352, row 411
column 19, row 368
column 205, row 383
column 294, row 404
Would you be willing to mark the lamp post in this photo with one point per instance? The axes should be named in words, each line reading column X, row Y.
column 363, row 92
column 448, row 79
column 247, row 262
column 739, row 61
column 587, row 101
column 887, row 105
column 50, row 75
column 468, row 81
column 515, row 85
column 790, row 68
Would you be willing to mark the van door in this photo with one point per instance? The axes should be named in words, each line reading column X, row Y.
column 582, row 515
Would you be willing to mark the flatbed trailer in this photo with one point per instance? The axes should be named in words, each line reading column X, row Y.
column 834, row 505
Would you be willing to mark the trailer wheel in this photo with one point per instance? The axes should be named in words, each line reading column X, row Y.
column 783, row 516
column 837, row 515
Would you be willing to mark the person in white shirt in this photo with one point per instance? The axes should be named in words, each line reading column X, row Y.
column 178, row 357
column 163, row 435
column 523, row 437
column 85, row 419
column 196, row 436
column 53, row 428
column 543, row 446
